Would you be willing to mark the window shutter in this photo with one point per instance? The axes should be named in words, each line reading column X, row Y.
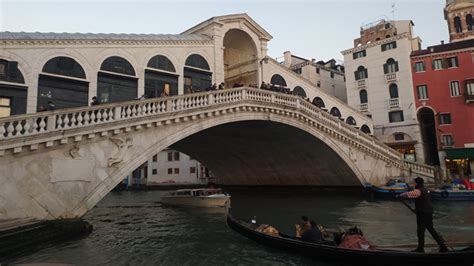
column 12, row 69
column 445, row 63
column 356, row 76
column 394, row 45
column 366, row 71
column 384, row 47
column 396, row 66
column 385, row 68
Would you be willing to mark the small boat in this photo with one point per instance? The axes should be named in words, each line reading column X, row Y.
column 390, row 189
column 452, row 192
column 201, row 197
column 334, row 254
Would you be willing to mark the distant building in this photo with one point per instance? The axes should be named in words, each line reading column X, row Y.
column 174, row 167
column 329, row 76
column 458, row 15
column 379, row 83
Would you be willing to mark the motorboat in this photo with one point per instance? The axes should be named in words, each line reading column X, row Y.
column 201, row 197
column 452, row 192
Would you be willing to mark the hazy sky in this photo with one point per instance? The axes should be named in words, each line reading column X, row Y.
column 312, row 28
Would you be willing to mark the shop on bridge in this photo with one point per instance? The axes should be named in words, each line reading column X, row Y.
column 13, row 91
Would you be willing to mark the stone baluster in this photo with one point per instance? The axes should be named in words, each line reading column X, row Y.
column 51, row 124
column 210, row 99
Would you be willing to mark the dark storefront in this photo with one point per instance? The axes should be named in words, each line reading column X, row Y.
column 116, row 81
column 13, row 92
column 160, row 78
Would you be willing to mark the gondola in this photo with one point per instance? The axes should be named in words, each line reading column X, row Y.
column 334, row 254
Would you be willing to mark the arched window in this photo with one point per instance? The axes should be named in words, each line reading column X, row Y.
column 469, row 22
column 457, row 24
column 391, row 66
column 64, row 89
column 361, row 73
column 278, row 80
column 319, row 102
column 13, row 92
column 299, row 91
column 393, row 89
column 197, row 74
column 160, row 79
column 365, row 129
column 116, row 88
column 335, row 112
column 351, row 121
column 363, row 96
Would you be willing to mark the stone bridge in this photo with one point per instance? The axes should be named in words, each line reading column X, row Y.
column 59, row 164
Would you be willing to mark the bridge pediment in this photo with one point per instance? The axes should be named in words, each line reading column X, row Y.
column 206, row 27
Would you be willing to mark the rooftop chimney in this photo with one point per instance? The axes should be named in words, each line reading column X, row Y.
column 442, row 41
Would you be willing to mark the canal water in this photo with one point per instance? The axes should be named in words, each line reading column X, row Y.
column 134, row 228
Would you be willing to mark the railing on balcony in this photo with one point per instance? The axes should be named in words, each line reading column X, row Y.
column 391, row 77
column 393, row 103
column 364, row 107
column 469, row 97
column 361, row 83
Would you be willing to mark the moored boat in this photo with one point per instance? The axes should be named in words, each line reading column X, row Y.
column 452, row 192
column 331, row 253
column 390, row 189
column 202, row 197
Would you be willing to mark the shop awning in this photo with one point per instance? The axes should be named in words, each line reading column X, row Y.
column 460, row 153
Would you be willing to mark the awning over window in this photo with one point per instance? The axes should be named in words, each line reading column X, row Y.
column 460, row 153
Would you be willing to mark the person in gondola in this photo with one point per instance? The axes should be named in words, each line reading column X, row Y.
column 313, row 234
column 354, row 238
column 424, row 215
column 304, row 226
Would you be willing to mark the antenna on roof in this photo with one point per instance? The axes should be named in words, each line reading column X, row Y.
column 393, row 11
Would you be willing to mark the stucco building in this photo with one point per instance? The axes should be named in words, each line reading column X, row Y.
column 379, row 83
column 458, row 15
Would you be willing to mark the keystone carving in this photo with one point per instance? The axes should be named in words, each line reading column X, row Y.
column 74, row 151
column 122, row 147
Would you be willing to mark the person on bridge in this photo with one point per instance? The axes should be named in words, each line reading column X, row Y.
column 424, row 215
column 94, row 101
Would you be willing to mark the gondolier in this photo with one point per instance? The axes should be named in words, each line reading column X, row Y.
column 424, row 215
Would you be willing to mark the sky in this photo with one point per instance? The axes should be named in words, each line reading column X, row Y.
column 318, row 29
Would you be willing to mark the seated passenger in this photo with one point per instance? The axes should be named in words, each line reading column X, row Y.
column 267, row 229
column 303, row 226
column 354, row 239
column 313, row 234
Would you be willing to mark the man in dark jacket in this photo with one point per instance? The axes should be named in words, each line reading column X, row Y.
column 313, row 234
column 424, row 215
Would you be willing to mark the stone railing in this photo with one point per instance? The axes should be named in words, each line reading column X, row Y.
column 361, row 83
column 65, row 120
column 393, row 103
column 391, row 77
column 419, row 169
column 364, row 107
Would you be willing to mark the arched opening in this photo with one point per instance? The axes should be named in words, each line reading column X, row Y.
column 160, row 77
column 469, row 22
column 240, row 59
column 116, row 81
column 457, row 24
column 426, row 118
column 278, row 80
column 66, row 87
column 351, row 121
column 13, row 92
column 197, row 74
column 393, row 90
column 391, row 66
column 361, row 73
column 335, row 112
column 363, row 96
column 299, row 91
column 319, row 102
column 365, row 129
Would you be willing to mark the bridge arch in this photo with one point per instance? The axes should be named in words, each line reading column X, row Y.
column 299, row 91
column 13, row 90
column 240, row 59
column 197, row 73
column 161, row 78
column 116, row 80
column 319, row 102
column 277, row 79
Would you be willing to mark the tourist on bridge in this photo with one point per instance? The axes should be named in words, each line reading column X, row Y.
column 51, row 106
column 221, row 86
column 94, row 101
column 424, row 215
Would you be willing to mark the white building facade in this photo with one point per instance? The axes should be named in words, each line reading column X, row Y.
column 379, row 83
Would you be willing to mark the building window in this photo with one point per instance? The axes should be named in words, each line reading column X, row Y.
column 391, row 66
column 363, row 96
column 389, row 46
column 5, row 107
column 170, row 156
column 419, row 67
column 359, row 54
column 454, row 87
column 447, row 140
column 457, row 24
column 470, row 87
column 176, row 170
column 317, row 70
column 3, row 68
column 452, row 62
column 192, row 170
column 318, row 84
column 399, row 136
column 445, row 119
column 176, row 155
column 297, row 71
column 154, row 171
column 361, row 73
column 396, row 116
column 422, row 92
column 437, row 64
column 393, row 90
column 332, row 75
column 155, row 158
column 170, row 171
column 469, row 22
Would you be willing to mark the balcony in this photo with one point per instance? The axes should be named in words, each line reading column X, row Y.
column 469, row 97
column 391, row 77
column 361, row 83
column 364, row 107
column 393, row 103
